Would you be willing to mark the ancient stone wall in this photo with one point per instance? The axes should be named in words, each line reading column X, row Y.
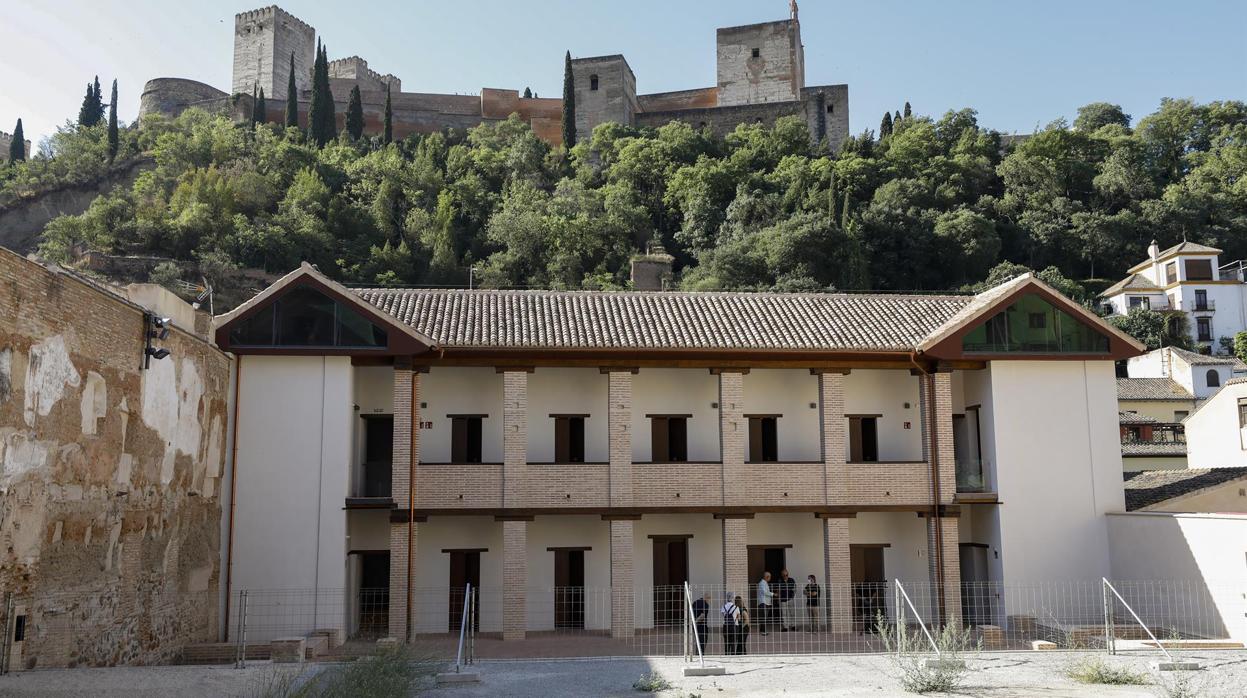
column 827, row 114
column 723, row 120
column 760, row 63
column 110, row 502
column 263, row 42
column 605, row 91
column 172, row 96
column 6, row 140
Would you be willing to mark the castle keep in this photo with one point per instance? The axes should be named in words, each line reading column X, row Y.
column 760, row 69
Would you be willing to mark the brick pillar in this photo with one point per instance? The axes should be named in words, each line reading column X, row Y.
column 619, row 429
column 399, row 613
column 945, row 455
column 622, row 615
column 736, row 556
column 834, row 433
column 733, row 435
column 404, row 436
column 837, row 580
column 951, row 558
column 514, row 579
column 514, row 436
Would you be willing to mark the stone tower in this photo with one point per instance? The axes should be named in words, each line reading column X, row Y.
column 605, row 91
column 760, row 63
column 263, row 41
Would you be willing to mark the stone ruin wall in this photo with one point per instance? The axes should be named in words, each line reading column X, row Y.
column 110, row 502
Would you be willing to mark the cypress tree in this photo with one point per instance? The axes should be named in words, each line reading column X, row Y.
column 845, row 212
column 259, row 113
column 833, row 198
column 389, row 117
column 885, row 126
column 569, row 104
column 114, row 138
column 17, row 149
column 896, row 118
column 88, row 115
column 292, row 97
column 355, row 115
column 908, row 112
column 528, row 93
column 97, row 104
column 322, row 123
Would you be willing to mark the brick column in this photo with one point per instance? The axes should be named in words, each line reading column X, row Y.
column 399, row 613
column 945, row 454
column 406, row 452
column 834, row 432
column 622, row 614
column 514, row 579
column 404, row 436
column 951, row 559
column 837, row 580
column 619, row 430
column 733, row 435
column 514, row 436
column 736, row 556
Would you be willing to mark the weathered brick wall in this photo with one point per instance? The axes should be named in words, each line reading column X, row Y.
column 110, row 503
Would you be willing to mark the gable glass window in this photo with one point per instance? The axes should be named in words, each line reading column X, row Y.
column 763, row 438
column 305, row 317
column 1203, row 327
column 569, row 438
column 465, row 437
column 669, row 438
column 1033, row 325
column 1199, row 270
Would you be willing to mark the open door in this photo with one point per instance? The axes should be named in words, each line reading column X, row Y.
column 378, row 454
column 670, row 574
column 465, row 569
column 374, row 594
column 763, row 558
column 975, row 604
column 569, row 589
column 869, row 586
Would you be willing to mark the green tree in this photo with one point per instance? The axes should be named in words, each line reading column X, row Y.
column 17, row 148
column 92, row 110
column 322, row 122
column 908, row 111
column 528, row 93
column 1091, row 117
column 1240, row 346
column 388, row 130
column 259, row 112
column 292, row 97
column 355, row 114
column 885, row 126
column 114, row 140
column 569, row 103
column 1154, row 329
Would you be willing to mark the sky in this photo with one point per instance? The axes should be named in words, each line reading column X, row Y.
column 1020, row 63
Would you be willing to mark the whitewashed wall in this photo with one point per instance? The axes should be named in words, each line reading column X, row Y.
column 568, row 531
column 705, row 555
column 676, row 391
column 886, row 392
column 789, row 393
column 460, row 391
column 432, row 582
column 567, row 391
column 1213, row 436
column 1160, row 410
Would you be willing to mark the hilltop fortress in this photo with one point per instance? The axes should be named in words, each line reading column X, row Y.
column 760, row 69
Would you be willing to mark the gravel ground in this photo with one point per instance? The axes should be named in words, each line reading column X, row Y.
column 997, row 675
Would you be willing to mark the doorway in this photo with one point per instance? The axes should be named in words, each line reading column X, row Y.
column 465, row 569
column 975, row 603
column 764, row 558
column 378, row 454
column 374, row 593
column 868, row 584
column 670, row 575
column 569, row 588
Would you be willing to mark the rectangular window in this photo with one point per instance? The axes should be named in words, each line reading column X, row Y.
column 569, row 438
column 669, row 438
column 1140, row 302
column 465, row 438
column 864, row 438
column 1201, row 299
column 1179, row 415
column 1038, row 321
column 1242, row 413
column 1199, row 270
column 1204, row 327
column 1171, row 272
column 763, row 438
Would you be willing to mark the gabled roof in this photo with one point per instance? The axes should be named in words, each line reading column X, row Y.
column 1132, row 417
column 1151, row 487
column 1197, row 359
column 1183, row 247
column 1145, row 449
column 1134, row 282
column 1151, row 389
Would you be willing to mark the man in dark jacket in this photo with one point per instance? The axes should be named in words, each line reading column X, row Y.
column 786, row 589
column 813, row 605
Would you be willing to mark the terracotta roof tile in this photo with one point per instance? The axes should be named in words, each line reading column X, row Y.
column 1151, row 487
column 1151, row 389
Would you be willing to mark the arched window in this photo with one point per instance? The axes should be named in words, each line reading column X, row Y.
column 1214, row 379
column 593, row 82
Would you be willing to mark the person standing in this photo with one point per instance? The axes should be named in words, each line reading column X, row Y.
column 742, row 635
column 787, row 589
column 813, row 604
column 701, row 621
column 766, row 598
column 731, row 624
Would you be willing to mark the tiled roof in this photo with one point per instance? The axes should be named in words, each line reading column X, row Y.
column 1151, row 389
column 1132, row 417
column 1134, row 282
column 1185, row 247
column 1196, row 359
column 1151, row 487
column 1153, row 448
column 634, row 320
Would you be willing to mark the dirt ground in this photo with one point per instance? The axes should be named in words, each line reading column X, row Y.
column 996, row 675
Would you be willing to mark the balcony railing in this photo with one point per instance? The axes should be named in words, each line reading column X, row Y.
column 970, row 475
column 374, row 480
column 1201, row 306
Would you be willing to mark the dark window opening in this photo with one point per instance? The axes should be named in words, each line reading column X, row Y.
column 378, row 455
column 863, row 439
column 1199, row 270
column 593, row 82
column 1015, row 329
column 19, row 629
column 669, row 439
column 756, row 53
column 569, row 439
column 305, row 317
column 465, row 439
column 764, row 439
column 1204, row 327
column 1213, row 378
column 1201, row 299
column 831, row 109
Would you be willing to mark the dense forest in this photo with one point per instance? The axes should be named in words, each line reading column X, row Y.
column 928, row 204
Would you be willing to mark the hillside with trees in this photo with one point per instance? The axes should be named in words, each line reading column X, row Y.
column 934, row 203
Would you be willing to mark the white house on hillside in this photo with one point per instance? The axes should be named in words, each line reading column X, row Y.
column 1186, row 278
column 1200, row 375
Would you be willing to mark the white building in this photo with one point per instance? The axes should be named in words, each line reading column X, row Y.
column 1199, row 375
column 1187, row 279
column 552, row 448
column 1217, row 429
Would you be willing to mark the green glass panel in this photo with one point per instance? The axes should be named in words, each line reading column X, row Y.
column 1032, row 325
column 304, row 317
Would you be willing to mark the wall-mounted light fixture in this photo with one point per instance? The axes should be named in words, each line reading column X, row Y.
column 154, row 328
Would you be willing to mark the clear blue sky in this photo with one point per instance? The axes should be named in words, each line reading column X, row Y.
column 1021, row 64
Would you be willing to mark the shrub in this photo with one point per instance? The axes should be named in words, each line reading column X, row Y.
column 652, row 682
column 1093, row 669
column 909, row 653
column 391, row 672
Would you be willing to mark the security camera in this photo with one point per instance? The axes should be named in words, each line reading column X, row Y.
column 157, row 353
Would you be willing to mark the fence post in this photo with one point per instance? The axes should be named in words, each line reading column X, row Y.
column 900, row 616
column 1110, row 643
column 241, row 663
